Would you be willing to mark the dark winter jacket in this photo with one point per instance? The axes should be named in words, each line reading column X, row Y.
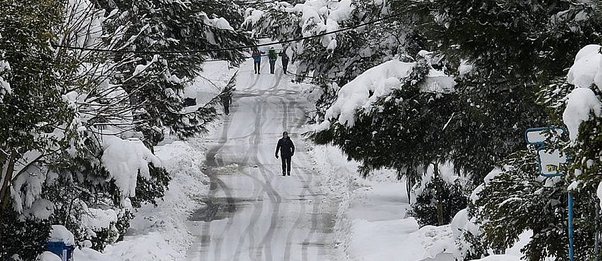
column 272, row 56
column 256, row 56
column 284, row 57
column 286, row 147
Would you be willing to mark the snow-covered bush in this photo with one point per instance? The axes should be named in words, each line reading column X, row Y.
column 439, row 195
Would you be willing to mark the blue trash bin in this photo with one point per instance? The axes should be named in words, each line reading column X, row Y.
column 59, row 248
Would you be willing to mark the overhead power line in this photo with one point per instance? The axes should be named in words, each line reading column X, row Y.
column 228, row 48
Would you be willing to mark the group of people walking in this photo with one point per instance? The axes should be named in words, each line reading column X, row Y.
column 285, row 146
column 272, row 57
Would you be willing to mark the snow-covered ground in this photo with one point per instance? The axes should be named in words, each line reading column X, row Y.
column 227, row 200
column 372, row 220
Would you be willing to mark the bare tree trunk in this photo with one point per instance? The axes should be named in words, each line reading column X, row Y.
column 438, row 191
column 409, row 185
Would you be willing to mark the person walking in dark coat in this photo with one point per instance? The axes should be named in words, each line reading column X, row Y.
column 284, row 59
column 272, row 56
column 226, row 99
column 256, row 54
column 287, row 150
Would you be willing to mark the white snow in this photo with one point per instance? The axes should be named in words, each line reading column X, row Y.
column 27, row 187
column 465, row 68
column 159, row 233
column 372, row 222
column 125, row 160
column 365, row 89
column 40, row 209
column 61, row 234
column 438, row 82
column 500, row 258
column 4, row 85
column 83, row 22
column 253, row 16
column 376, row 82
column 580, row 104
column 221, row 23
column 48, row 256
column 98, row 219
column 586, row 69
column 599, row 193
column 209, row 84
column 141, row 67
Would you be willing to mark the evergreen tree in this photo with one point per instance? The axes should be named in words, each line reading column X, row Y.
column 438, row 201
column 407, row 131
column 67, row 106
column 517, row 200
column 156, row 78
column 31, row 107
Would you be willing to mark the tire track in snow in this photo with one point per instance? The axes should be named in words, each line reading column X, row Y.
column 258, row 205
column 317, row 202
column 215, row 183
column 275, row 198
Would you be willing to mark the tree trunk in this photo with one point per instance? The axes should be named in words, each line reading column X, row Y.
column 439, row 193
column 409, row 185
column 7, row 174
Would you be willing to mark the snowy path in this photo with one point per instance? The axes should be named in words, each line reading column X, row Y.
column 252, row 212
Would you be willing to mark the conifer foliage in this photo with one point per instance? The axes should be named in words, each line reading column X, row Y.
column 87, row 88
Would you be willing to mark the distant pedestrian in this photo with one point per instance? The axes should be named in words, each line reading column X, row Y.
column 226, row 99
column 287, row 150
column 272, row 56
column 256, row 54
column 284, row 59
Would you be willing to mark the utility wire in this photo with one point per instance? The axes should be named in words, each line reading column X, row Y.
column 228, row 48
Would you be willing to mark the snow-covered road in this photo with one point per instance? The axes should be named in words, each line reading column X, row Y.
column 251, row 211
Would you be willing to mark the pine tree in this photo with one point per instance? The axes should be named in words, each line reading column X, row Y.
column 64, row 104
column 513, row 48
column 30, row 110
column 168, row 26
column 407, row 131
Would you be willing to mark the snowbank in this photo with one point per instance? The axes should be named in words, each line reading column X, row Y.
column 381, row 231
column 500, row 258
column 160, row 233
column 371, row 223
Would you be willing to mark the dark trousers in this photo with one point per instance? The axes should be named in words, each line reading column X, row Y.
column 226, row 108
column 286, row 165
column 256, row 66
column 284, row 65
column 272, row 65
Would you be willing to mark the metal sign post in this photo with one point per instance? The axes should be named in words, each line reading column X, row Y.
column 550, row 162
